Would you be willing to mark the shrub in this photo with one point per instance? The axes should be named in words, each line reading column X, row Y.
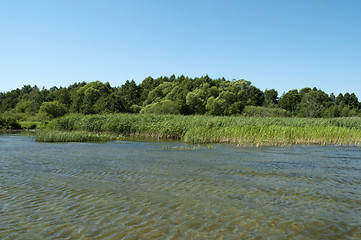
column 161, row 108
column 53, row 109
column 252, row 111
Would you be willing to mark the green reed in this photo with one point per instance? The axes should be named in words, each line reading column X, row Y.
column 209, row 129
column 73, row 136
column 274, row 135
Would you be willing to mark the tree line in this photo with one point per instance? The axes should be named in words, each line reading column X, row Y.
column 174, row 95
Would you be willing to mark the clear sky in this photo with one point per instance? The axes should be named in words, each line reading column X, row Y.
column 281, row 44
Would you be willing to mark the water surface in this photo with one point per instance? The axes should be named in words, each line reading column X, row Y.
column 137, row 190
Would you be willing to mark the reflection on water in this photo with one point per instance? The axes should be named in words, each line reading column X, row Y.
column 136, row 190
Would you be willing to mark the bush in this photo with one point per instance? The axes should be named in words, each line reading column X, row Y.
column 53, row 109
column 252, row 111
column 162, row 108
column 29, row 124
column 9, row 123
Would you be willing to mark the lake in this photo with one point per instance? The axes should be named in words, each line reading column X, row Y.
column 163, row 190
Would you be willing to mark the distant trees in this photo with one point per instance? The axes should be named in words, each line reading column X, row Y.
column 128, row 97
column 174, row 95
column 270, row 97
column 315, row 103
column 290, row 100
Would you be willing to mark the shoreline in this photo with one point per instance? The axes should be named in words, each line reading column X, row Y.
column 62, row 136
column 84, row 136
column 195, row 129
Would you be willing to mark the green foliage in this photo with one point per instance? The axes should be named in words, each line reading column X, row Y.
column 9, row 122
column 161, row 108
column 160, row 92
column 312, row 104
column 271, row 97
column 26, row 106
column 274, row 135
column 207, row 129
column 215, row 106
column 89, row 95
column 252, row 111
column 200, row 95
column 29, row 124
column 290, row 100
column 64, row 136
column 127, row 97
column 195, row 103
column 164, row 126
column 53, row 109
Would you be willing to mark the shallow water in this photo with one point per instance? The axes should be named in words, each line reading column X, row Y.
column 137, row 190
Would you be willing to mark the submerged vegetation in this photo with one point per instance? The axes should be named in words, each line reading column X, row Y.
column 180, row 148
column 187, row 147
column 243, row 131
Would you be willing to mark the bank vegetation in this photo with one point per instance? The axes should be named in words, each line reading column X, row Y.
column 244, row 131
column 195, row 110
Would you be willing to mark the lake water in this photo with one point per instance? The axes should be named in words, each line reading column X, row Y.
column 138, row 190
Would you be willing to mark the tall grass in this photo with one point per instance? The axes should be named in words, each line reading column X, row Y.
column 274, row 135
column 73, row 136
column 208, row 129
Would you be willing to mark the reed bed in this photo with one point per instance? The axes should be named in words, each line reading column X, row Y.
column 245, row 131
column 274, row 135
column 73, row 136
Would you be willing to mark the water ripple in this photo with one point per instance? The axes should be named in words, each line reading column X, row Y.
column 138, row 191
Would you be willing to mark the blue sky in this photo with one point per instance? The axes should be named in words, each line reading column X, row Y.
column 281, row 44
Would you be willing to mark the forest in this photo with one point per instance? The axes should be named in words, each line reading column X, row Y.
column 172, row 95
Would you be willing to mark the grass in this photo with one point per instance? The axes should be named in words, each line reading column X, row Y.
column 244, row 131
column 73, row 136
column 274, row 135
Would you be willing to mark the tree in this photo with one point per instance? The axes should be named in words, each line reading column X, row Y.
column 62, row 95
column 236, row 108
column 305, row 90
column 182, row 95
column 215, row 106
column 88, row 95
column 162, row 107
column 271, row 97
column 53, row 109
column 226, row 99
column 246, row 93
column 145, row 87
column 10, row 99
column 195, row 103
column 129, row 93
column 25, row 106
column 313, row 103
column 351, row 100
column 109, row 104
column 290, row 100
column 339, row 99
column 35, row 97
column 158, row 93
